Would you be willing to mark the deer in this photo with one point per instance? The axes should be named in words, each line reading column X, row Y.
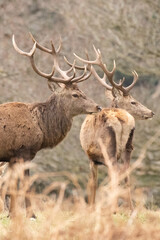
column 114, row 125
column 26, row 128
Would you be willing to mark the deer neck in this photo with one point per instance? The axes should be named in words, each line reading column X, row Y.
column 54, row 121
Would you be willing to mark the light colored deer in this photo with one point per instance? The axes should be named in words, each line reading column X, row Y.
column 26, row 128
column 114, row 126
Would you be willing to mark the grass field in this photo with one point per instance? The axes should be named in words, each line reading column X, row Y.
column 78, row 221
column 72, row 218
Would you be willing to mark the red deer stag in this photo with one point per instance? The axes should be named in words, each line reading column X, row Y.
column 26, row 128
column 115, row 125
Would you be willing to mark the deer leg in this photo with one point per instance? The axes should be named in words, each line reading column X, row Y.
column 127, row 183
column 29, row 210
column 126, row 156
column 13, row 190
column 92, row 183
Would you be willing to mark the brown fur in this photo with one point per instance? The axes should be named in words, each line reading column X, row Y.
column 114, row 127
column 120, row 121
column 27, row 128
column 110, row 125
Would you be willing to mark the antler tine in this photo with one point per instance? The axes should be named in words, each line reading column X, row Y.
column 53, row 48
column 70, row 64
column 31, row 57
column 81, row 59
column 44, row 49
column 73, row 66
column 121, row 81
column 135, row 78
column 85, row 77
column 120, row 84
column 31, row 53
column 76, row 66
column 126, row 90
column 62, row 80
column 109, row 73
column 97, row 61
column 87, row 55
column 60, row 45
column 64, row 77
column 81, row 76
column 101, row 80
column 88, row 65
column 42, row 74
column 85, row 68
column 99, row 56
column 54, row 52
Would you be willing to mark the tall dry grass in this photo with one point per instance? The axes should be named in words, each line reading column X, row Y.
column 71, row 218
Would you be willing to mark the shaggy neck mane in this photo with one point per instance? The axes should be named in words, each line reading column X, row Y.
column 53, row 120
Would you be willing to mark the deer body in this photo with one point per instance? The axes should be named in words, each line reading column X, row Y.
column 114, row 126
column 19, row 131
column 26, row 128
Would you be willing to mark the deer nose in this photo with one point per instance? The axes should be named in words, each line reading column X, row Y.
column 99, row 108
column 153, row 113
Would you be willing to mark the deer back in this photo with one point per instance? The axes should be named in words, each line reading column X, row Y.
column 19, row 131
column 113, row 127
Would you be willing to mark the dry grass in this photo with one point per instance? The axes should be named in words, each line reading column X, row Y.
column 117, row 28
column 72, row 218
column 79, row 222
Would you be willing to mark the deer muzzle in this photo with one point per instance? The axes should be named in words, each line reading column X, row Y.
column 150, row 116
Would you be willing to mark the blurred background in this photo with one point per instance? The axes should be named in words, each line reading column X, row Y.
column 127, row 31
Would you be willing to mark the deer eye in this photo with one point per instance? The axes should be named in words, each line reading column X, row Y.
column 75, row 95
column 134, row 103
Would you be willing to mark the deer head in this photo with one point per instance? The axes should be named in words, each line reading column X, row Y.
column 65, row 84
column 116, row 91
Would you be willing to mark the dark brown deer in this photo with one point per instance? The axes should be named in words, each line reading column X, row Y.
column 114, row 126
column 26, row 128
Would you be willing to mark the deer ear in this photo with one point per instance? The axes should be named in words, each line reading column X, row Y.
column 116, row 93
column 109, row 94
column 55, row 86
column 109, row 97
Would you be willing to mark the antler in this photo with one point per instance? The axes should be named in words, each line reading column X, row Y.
column 65, row 79
column 98, row 61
